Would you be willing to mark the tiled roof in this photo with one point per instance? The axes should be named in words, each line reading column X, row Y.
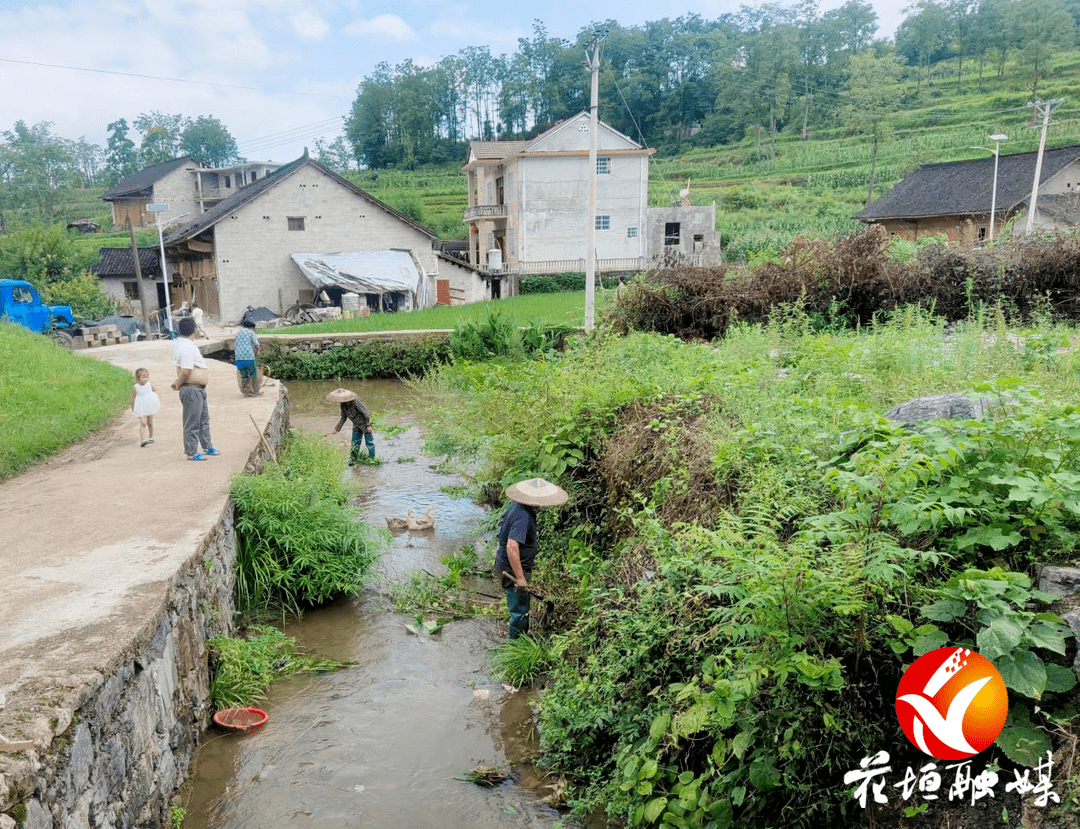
column 495, row 150
column 965, row 187
column 143, row 180
column 119, row 262
column 246, row 194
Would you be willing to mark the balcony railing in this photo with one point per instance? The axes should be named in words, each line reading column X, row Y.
column 485, row 211
column 634, row 263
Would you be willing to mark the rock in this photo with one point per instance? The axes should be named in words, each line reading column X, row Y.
column 952, row 406
column 1059, row 580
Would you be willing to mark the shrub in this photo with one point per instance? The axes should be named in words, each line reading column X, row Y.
column 298, row 542
column 359, row 360
column 556, row 282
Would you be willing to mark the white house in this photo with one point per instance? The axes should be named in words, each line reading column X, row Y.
column 528, row 205
column 528, row 200
column 255, row 247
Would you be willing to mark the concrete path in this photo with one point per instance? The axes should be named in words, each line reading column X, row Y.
column 93, row 537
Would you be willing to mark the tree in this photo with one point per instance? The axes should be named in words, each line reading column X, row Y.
column 873, row 91
column 36, row 165
column 923, row 37
column 161, row 136
column 1042, row 27
column 336, row 154
column 121, row 160
column 207, row 139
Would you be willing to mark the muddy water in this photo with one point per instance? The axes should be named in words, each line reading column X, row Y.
column 380, row 744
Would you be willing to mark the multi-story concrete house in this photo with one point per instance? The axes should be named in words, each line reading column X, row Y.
column 528, row 206
column 187, row 185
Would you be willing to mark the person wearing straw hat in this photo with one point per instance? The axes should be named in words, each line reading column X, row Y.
column 519, row 544
column 353, row 408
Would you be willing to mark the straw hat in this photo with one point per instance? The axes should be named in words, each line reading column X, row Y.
column 536, row 492
column 341, row 396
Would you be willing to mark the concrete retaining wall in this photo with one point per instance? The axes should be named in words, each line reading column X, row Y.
column 121, row 744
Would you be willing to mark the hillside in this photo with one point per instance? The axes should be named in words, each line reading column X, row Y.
column 769, row 189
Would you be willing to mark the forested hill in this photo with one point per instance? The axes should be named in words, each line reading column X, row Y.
column 691, row 82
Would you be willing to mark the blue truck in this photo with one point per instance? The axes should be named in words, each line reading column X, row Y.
column 21, row 303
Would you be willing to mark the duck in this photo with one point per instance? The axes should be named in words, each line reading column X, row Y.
column 396, row 523
column 424, row 522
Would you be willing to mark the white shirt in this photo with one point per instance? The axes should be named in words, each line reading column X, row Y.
column 196, row 314
column 187, row 354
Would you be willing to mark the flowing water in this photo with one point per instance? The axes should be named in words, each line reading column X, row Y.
column 381, row 743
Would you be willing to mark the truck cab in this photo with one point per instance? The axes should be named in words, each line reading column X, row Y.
column 21, row 303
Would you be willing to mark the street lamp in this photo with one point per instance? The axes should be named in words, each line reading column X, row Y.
column 997, row 139
column 157, row 210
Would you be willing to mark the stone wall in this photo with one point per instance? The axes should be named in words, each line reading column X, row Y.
column 316, row 344
column 120, row 745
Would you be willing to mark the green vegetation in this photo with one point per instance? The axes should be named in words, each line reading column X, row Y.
column 520, row 661
column 298, row 541
column 245, row 666
column 562, row 308
column 50, row 398
column 752, row 555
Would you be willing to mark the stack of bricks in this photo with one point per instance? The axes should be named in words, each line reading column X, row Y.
column 99, row 335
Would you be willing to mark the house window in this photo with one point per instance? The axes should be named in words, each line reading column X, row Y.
column 603, row 166
column 603, row 223
column 671, row 233
column 254, row 175
column 982, row 234
column 631, row 232
column 131, row 290
column 296, row 222
column 228, row 182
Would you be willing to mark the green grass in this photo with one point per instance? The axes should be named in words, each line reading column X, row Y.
column 50, row 398
column 565, row 308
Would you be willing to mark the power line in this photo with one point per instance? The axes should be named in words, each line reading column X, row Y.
column 173, row 80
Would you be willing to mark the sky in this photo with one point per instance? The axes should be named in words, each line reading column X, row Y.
column 276, row 73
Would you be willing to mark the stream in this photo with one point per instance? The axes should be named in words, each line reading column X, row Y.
column 381, row 743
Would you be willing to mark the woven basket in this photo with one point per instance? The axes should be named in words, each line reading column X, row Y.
column 240, row 719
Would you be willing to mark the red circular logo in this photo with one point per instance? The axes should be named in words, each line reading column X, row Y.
column 952, row 703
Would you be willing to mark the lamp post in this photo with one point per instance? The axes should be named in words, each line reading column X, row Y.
column 157, row 210
column 997, row 139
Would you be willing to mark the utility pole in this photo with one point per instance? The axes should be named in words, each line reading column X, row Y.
column 1046, row 109
column 593, row 64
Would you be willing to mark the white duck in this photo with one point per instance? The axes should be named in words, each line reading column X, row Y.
column 424, row 522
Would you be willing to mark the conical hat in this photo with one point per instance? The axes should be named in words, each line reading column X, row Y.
column 536, row 492
column 341, row 396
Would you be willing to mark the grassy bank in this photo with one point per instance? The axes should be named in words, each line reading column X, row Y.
column 50, row 398
column 563, row 308
column 751, row 555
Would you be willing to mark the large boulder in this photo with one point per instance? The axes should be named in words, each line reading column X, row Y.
column 953, row 406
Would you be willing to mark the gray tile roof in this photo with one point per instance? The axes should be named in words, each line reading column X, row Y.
column 119, row 262
column 140, row 183
column 252, row 191
column 960, row 188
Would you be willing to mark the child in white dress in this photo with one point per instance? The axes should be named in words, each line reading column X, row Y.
column 145, row 404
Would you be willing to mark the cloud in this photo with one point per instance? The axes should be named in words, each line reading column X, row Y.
column 309, row 26
column 383, row 26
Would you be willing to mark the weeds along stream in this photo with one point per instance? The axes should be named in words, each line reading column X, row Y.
column 381, row 743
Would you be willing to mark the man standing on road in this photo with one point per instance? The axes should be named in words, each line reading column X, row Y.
column 519, row 544
column 191, row 379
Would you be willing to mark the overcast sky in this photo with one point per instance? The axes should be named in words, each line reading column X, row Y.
column 276, row 73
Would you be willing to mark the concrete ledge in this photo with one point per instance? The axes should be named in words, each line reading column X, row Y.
column 119, row 570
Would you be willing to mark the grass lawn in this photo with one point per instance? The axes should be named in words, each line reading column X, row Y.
column 50, row 398
column 565, row 308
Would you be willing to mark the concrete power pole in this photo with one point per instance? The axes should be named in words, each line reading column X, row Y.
column 590, row 254
column 1046, row 109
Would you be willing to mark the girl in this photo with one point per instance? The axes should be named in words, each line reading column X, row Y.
column 145, row 404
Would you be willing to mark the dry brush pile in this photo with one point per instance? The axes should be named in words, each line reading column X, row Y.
column 848, row 282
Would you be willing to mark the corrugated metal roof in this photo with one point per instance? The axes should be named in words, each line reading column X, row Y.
column 961, row 188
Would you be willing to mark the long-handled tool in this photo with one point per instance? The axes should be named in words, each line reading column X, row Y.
column 549, row 605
